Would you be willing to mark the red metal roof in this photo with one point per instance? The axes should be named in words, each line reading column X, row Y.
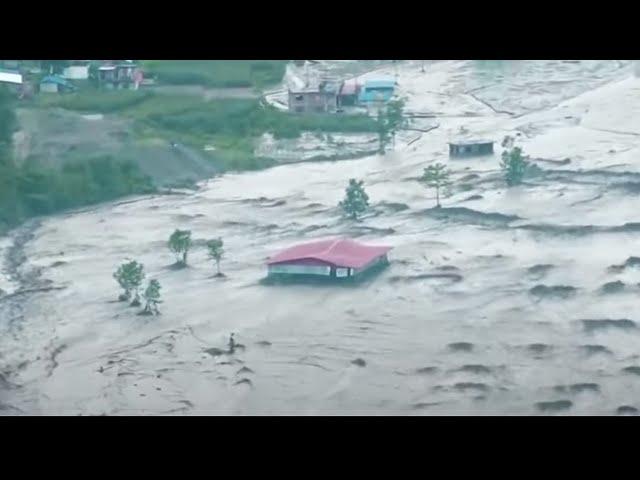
column 337, row 252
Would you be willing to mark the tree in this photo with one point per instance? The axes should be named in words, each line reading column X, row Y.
column 390, row 120
column 216, row 252
column 436, row 176
column 179, row 244
column 356, row 200
column 513, row 164
column 152, row 298
column 395, row 117
column 382, row 128
column 130, row 276
column 54, row 66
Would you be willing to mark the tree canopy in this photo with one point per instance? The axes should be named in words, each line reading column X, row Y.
column 356, row 200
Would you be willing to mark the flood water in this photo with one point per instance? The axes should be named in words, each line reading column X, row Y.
column 494, row 304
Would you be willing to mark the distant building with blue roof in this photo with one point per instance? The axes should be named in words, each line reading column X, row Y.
column 381, row 90
column 55, row 84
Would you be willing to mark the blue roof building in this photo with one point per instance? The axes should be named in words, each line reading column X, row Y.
column 54, row 84
column 376, row 91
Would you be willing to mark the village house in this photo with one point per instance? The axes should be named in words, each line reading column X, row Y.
column 328, row 259
column 376, row 91
column 470, row 148
column 55, row 84
column 319, row 98
column 348, row 93
column 78, row 70
column 119, row 76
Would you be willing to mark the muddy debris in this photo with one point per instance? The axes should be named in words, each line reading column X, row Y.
column 554, row 406
column 359, row 362
column 584, row 387
column 263, row 343
column 426, row 370
column 612, row 287
column 424, row 405
column 594, row 349
column 393, row 207
column 553, row 291
column 244, row 370
column 635, row 370
column 245, row 381
column 469, row 177
column 469, row 216
column 602, row 324
column 460, row 346
column 454, row 277
column 626, row 410
column 464, row 386
column 473, row 197
column 447, row 268
column 477, row 369
column 540, row 269
column 215, row 352
column 539, row 348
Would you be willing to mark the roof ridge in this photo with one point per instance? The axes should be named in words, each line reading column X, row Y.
column 332, row 246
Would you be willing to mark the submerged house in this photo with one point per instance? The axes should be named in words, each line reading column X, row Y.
column 471, row 148
column 78, row 70
column 376, row 91
column 334, row 258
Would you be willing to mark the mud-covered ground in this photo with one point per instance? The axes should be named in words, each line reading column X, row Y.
column 505, row 301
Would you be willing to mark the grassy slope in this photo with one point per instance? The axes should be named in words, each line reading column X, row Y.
column 231, row 124
column 217, row 73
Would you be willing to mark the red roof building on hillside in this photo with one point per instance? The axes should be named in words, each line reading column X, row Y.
column 338, row 258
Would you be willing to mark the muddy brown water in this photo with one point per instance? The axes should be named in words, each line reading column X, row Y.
column 408, row 342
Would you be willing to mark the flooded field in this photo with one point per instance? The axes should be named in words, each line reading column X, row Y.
column 515, row 301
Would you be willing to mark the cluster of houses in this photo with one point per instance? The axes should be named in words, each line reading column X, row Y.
column 26, row 78
column 313, row 92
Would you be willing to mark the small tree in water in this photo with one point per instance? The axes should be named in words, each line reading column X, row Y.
column 356, row 199
column 179, row 244
column 436, row 176
column 216, row 252
column 513, row 164
column 395, row 117
column 152, row 298
column 130, row 276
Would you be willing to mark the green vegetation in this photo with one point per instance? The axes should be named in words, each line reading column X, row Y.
column 217, row 73
column 390, row 119
column 216, row 252
column 436, row 176
column 179, row 244
column 93, row 100
column 30, row 189
column 130, row 276
column 513, row 164
column 152, row 298
column 356, row 200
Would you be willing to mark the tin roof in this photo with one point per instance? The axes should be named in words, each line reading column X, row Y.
column 471, row 142
column 341, row 252
column 380, row 83
column 10, row 76
column 54, row 79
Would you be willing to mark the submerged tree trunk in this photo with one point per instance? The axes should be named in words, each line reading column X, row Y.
column 437, row 197
column 218, row 266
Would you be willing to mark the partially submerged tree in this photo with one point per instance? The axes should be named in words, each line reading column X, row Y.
column 436, row 176
column 130, row 276
column 390, row 119
column 513, row 164
column 216, row 252
column 152, row 298
column 356, row 200
column 179, row 244
column 395, row 117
